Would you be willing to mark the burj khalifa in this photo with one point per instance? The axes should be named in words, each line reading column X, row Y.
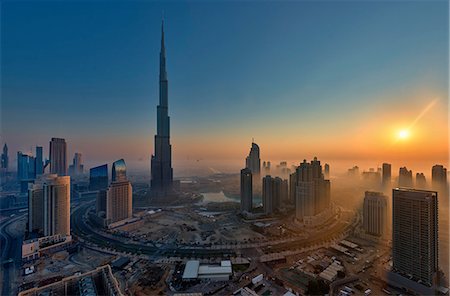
column 161, row 162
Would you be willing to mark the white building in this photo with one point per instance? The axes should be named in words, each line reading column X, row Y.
column 194, row 270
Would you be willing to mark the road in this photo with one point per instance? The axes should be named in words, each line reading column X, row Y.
column 83, row 231
column 11, row 246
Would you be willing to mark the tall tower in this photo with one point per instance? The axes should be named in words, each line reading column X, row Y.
column 375, row 213
column 161, row 163
column 415, row 235
column 4, row 159
column 246, row 190
column 58, row 156
column 49, row 205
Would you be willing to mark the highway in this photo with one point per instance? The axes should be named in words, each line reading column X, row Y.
column 11, row 246
column 83, row 231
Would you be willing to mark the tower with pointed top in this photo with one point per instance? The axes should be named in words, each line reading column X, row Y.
column 161, row 161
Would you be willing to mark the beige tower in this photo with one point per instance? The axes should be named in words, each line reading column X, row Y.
column 49, row 205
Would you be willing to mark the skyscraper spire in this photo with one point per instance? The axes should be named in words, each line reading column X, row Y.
column 162, row 56
column 161, row 163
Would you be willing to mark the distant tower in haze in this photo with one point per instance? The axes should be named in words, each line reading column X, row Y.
column 4, row 161
column 39, row 161
column 375, row 213
column 415, row 235
column 421, row 182
column 405, row 178
column 161, row 162
column 386, row 175
column 326, row 172
column 253, row 161
column 76, row 168
column 58, row 156
column 49, row 205
column 246, row 190
column 119, row 196
column 439, row 179
column 313, row 191
column 26, row 167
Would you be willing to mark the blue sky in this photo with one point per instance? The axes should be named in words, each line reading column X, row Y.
column 88, row 70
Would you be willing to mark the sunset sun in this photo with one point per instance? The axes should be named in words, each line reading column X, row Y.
column 403, row 134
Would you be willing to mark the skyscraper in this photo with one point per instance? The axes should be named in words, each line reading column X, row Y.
column 439, row 179
column 49, row 205
column 313, row 191
column 26, row 167
column 246, row 190
column 98, row 178
column 405, row 178
column 293, row 187
column 39, row 161
column 161, row 162
column 267, row 194
column 58, row 156
column 119, row 171
column 4, row 161
column 76, row 168
column 253, row 161
column 386, row 175
column 375, row 213
column 415, row 235
column 119, row 196
column 421, row 182
column 326, row 173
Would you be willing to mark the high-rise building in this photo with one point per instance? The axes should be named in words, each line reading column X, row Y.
column 161, row 162
column 284, row 194
column 98, row 178
column 415, row 235
column 421, row 182
column 313, row 191
column 326, row 171
column 405, row 178
column 375, row 213
column 4, row 161
column 293, row 187
column 36, row 208
column 58, row 156
column 439, row 179
column 39, row 161
column 119, row 196
column 49, row 205
column 76, row 168
column 246, row 190
column 26, row 167
column 119, row 171
column 386, row 175
column 267, row 194
column 253, row 161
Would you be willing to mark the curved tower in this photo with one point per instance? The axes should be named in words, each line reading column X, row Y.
column 161, row 163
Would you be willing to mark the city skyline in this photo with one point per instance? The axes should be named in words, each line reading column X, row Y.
column 357, row 118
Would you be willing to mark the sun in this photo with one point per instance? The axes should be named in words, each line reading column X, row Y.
column 403, row 134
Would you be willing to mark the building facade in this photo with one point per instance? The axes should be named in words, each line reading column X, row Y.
column 375, row 213
column 58, row 156
column 253, row 160
column 415, row 235
column 246, row 190
column 49, row 205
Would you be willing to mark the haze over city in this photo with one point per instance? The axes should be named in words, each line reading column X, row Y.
column 224, row 148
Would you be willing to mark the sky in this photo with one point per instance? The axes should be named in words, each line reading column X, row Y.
column 333, row 79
